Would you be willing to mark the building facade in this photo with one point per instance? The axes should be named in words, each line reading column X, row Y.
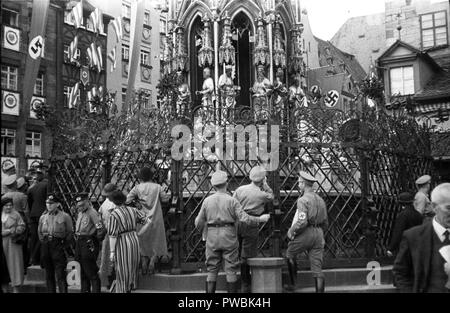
column 423, row 24
column 16, row 20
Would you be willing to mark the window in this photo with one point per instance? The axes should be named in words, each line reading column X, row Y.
column 162, row 26
column 67, row 91
column 145, row 57
column 8, row 141
column 126, row 11
column 434, row 29
column 402, row 80
column 68, row 17
column 10, row 17
column 66, row 54
column 9, row 77
column 39, row 85
column 147, row 18
column 146, row 100
column 33, row 144
column 89, row 24
column 125, row 53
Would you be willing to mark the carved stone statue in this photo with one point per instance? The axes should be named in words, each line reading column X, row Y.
column 228, row 92
column 207, row 91
column 296, row 94
column 280, row 92
column 184, row 95
column 262, row 89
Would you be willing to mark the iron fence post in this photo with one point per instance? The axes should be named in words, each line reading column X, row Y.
column 106, row 175
column 275, row 183
column 175, row 215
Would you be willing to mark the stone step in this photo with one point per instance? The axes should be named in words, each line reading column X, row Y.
column 38, row 286
column 383, row 288
column 195, row 282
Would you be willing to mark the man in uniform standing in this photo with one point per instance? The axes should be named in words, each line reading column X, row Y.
column 55, row 230
column 306, row 232
column 422, row 203
column 253, row 198
column 89, row 231
column 37, row 195
column 219, row 213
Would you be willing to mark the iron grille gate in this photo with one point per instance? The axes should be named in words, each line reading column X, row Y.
column 359, row 185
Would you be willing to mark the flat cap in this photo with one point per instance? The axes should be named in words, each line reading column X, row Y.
column 53, row 198
column 405, row 197
column 423, row 179
column 257, row 174
column 82, row 196
column 308, row 177
column 20, row 182
column 218, row 178
column 9, row 180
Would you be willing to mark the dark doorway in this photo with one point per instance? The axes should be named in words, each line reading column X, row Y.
column 241, row 28
column 195, row 71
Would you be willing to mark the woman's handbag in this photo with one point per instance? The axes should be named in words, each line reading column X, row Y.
column 19, row 239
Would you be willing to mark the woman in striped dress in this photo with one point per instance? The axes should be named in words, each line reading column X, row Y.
column 124, row 242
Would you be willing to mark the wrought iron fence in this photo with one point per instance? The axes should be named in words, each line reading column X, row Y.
column 358, row 178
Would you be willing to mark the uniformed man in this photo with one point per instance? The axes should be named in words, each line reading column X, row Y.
column 219, row 214
column 306, row 232
column 55, row 230
column 89, row 231
column 253, row 198
column 422, row 203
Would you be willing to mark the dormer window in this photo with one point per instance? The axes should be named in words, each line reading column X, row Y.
column 402, row 80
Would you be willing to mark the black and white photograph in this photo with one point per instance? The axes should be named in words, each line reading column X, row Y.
column 242, row 148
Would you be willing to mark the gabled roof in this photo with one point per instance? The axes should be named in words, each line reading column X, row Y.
column 438, row 86
column 424, row 55
column 350, row 61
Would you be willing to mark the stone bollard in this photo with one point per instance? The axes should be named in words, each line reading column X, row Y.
column 266, row 274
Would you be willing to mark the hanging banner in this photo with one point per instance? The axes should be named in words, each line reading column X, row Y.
column 37, row 33
column 137, row 25
column 84, row 75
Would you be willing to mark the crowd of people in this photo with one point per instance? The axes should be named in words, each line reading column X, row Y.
column 128, row 233
column 128, row 230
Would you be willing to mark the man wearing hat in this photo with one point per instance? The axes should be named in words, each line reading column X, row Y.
column 306, row 232
column 89, row 231
column 253, row 198
column 55, row 231
column 219, row 214
column 406, row 219
column 421, row 201
column 106, row 266
column 37, row 195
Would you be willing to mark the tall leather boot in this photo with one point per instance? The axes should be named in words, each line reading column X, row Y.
column 96, row 285
column 245, row 278
column 62, row 286
column 210, row 286
column 85, row 285
column 51, row 286
column 232, row 287
column 292, row 269
column 320, row 284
